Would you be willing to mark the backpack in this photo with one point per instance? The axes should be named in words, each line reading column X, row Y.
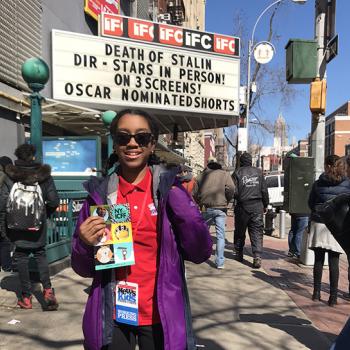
column 335, row 214
column 25, row 207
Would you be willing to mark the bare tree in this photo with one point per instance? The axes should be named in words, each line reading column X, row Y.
column 269, row 81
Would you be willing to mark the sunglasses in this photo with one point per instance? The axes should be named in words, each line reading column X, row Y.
column 142, row 138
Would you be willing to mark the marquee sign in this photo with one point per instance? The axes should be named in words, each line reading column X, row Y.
column 95, row 7
column 104, row 72
column 117, row 26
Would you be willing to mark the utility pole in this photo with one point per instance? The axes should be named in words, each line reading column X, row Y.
column 318, row 119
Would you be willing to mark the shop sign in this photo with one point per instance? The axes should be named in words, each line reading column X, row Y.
column 105, row 72
column 95, row 7
column 117, row 26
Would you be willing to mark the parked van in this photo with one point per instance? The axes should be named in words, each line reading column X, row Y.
column 275, row 187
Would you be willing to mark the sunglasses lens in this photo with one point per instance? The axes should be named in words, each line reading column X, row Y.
column 143, row 138
column 122, row 138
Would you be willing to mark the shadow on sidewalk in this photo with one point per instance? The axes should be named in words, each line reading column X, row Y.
column 287, row 280
column 299, row 328
column 274, row 254
column 11, row 283
column 208, row 344
column 41, row 341
column 291, row 275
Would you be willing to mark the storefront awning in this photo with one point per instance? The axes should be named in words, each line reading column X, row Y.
column 75, row 119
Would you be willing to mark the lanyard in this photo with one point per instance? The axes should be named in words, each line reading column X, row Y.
column 142, row 209
column 135, row 229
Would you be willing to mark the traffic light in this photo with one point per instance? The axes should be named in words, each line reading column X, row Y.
column 318, row 90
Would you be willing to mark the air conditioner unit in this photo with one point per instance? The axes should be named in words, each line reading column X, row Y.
column 164, row 18
column 167, row 17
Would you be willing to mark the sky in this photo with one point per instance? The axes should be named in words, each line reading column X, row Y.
column 291, row 21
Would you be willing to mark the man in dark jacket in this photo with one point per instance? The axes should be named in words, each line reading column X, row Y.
column 5, row 244
column 213, row 190
column 252, row 199
column 28, row 172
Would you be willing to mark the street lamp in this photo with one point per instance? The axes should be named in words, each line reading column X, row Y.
column 107, row 118
column 35, row 73
column 251, row 47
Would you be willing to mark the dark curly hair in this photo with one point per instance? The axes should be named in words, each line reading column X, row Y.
column 25, row 152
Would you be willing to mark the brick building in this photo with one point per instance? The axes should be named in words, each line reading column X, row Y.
column 338, row 131
column 303, row 148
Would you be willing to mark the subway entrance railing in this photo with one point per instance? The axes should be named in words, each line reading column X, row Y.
column 61, row 225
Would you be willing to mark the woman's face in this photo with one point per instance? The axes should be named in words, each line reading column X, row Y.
column 133, row 155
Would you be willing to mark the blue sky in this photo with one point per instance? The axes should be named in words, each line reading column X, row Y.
column 291, row 21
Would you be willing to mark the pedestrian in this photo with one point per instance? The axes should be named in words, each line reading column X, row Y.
column 167, row 230
column 347, row 167
column 330, row 184
column 299, row 223
column 110, row 164
column 30, row 197
column 5, row 244
column 186, row 178
column 252, row 199
column 213, row 190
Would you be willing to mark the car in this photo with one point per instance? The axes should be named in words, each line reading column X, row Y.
column 275, row 187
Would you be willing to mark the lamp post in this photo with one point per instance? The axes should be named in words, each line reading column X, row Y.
column 35, row 73
column 107, row 118
column 250, row 51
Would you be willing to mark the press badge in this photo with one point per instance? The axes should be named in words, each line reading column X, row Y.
column 127, row 308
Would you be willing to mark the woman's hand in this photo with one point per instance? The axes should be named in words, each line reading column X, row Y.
column 91, row 230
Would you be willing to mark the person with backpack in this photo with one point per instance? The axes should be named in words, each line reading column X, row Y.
column 28, row 197
column 332, row 183
column 213, row 190
column 5, row 244
column 167, row 229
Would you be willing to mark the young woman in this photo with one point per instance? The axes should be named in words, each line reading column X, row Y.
column 26, row 171
column 167, row 228
column 330, row 184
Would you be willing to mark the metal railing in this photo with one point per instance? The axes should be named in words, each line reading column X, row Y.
column 61, row 225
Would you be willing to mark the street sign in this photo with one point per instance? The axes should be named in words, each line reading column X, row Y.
column 263, row 52
column 242, row 140
column 332, row 48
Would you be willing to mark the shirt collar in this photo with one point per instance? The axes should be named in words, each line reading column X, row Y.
column 126, row 187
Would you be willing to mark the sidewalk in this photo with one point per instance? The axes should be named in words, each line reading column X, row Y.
column 237, row 308
column 297, row 281
column 43, row 330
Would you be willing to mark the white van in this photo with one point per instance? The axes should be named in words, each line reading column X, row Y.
column 275, row 187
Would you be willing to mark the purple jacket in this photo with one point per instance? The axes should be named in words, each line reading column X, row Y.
column 184, row 235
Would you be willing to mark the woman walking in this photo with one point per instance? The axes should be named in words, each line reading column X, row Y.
column 330, row 184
